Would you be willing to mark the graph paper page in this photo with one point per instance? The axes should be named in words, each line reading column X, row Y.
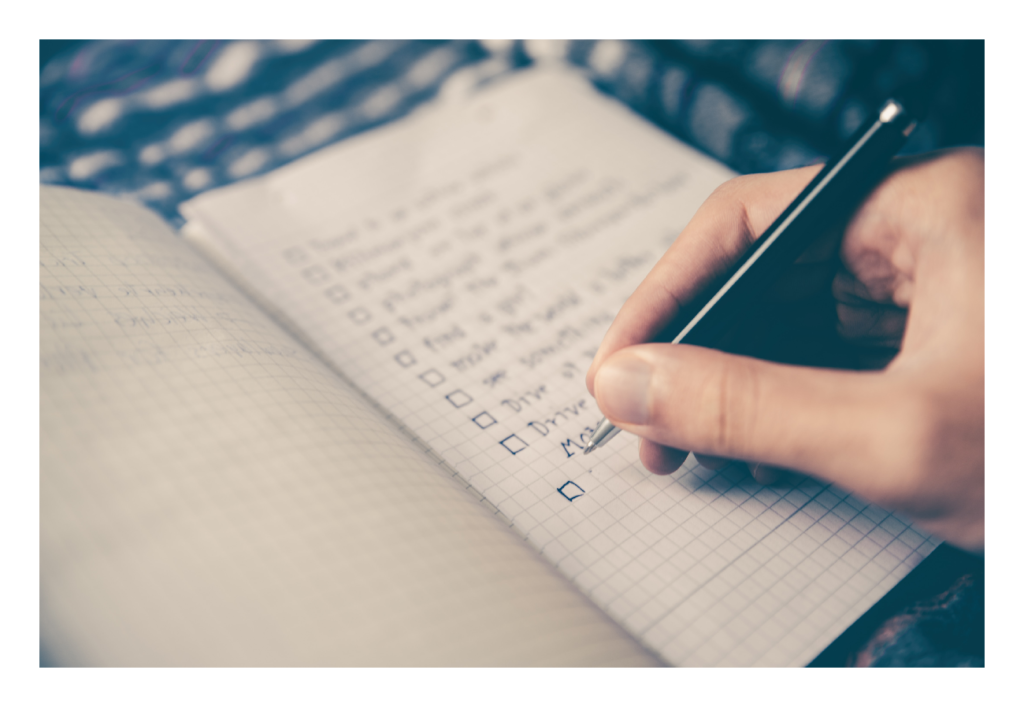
column 461, row 268
column 212, row 494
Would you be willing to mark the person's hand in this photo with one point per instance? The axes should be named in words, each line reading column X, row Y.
column 910, row 279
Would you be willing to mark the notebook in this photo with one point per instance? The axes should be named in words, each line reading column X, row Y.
column 341, row 421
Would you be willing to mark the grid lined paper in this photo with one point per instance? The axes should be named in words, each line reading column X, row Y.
column 212, row 494
column 461, row 267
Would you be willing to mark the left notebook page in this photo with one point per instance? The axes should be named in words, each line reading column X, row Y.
column 212, row 494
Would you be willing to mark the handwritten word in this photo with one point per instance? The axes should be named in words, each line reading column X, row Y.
column 64, row 260
column 625, row 265
column 526, row 399
column 428, row 315
column 418, row 287
column 570, row 369
column 510, row 305
column 557, row 417
column 556, row 191
column 494, row 378
column 75, row 291
column 437, row 342
column 564, row 338
column 510, row 213
column 156, row 259
column 474, row 356
column 531, row 261
column 175, row 291
column 366, row 255
column 579, row 442
column 564, row 303
column 171, row 315
column 518, row 328
column 521, row 236
column 388, row 272
column 242, row 349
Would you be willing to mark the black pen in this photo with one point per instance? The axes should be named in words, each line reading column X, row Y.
column 832, row 195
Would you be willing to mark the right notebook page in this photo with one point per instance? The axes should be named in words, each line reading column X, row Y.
column 461, row 267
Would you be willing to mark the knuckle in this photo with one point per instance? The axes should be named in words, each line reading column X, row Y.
column 731, row 187
column 728, row 400
column 733, row 192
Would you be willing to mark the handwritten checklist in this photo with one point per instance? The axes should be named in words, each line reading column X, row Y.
column 491, row 250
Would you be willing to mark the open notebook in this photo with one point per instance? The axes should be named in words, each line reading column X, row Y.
column 356, row 439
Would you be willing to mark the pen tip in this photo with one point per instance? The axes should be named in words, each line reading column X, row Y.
column 589, row 448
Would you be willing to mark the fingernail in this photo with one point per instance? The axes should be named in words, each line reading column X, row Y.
column 622, row 385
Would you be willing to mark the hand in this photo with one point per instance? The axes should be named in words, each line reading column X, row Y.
column 909, row 278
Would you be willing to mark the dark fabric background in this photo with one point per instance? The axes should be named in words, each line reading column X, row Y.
column 164, row 120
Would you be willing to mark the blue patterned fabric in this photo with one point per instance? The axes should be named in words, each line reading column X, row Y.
column 165, row 120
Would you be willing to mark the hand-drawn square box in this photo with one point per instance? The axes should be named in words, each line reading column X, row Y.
column 513, row 444
column 570, row 494
column 315, row 274
column 459, row 399
column 336, row 294
column 360, row 315
column 484, row 420
column 405, row 359
column 383, row 336
column 432, row 378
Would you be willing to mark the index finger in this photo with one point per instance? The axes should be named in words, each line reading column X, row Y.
column 725, row 224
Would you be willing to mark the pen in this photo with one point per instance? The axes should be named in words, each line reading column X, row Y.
column 832, row 195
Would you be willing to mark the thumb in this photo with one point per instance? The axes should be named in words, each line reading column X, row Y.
column 831, row 424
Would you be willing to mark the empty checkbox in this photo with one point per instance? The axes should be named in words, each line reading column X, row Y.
column 432, row 378
column 359, row 315
column 336, row 294
column 383, row 336
column 513, row 444
column 570, row 490
column 459, row 399
column 316, row 274
column 484, row 420
column 405, row 359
